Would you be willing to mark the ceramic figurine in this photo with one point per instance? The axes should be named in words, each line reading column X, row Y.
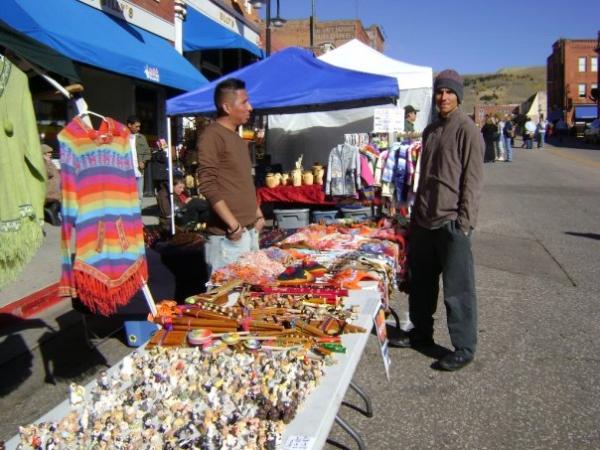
column 76, row 394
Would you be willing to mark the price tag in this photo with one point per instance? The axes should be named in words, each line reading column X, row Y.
column 299, row 442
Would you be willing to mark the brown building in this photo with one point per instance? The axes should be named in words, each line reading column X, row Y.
column 480, row 111
column 572, row 72
column 328, row 34
column 376, row 37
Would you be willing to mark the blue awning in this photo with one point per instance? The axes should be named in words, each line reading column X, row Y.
column 203, row 33
column 293, row 80
column 586, row 112
column 90, row 36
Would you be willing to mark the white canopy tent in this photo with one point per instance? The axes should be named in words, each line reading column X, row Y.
column 314, row 134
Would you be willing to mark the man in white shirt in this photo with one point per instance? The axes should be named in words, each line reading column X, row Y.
column 528, row 134
column 140, row 152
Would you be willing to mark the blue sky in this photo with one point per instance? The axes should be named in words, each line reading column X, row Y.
column 472, row 36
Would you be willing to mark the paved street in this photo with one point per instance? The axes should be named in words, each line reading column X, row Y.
column 535, row 381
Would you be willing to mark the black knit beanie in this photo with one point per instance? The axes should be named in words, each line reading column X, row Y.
column 449, row 79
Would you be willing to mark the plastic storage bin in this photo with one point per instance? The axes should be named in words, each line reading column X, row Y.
column 291, row 218
column 324, row 216
column 138, row 332
column 362, row 213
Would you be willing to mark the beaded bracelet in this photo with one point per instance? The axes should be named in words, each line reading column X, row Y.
column 234, row 231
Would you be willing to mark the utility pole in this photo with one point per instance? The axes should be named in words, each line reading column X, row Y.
column 313, row 18
column 268, row 30
column 598, row 77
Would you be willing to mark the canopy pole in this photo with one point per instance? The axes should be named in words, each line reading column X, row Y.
column 170, row 168
column 149, row 299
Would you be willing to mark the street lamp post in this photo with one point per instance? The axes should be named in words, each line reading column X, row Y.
column 268, row 29
column 275, row 22
column 313, row 18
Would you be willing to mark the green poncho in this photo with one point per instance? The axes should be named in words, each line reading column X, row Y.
column 22, row 174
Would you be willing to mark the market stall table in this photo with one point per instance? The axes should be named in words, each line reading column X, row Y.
column 317, row 414
column 309, row 194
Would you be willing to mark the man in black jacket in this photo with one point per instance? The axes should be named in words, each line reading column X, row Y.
column 444, row 215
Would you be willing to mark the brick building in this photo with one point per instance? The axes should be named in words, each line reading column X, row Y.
column 480, row 111
column 572, row 72
column 328, row 34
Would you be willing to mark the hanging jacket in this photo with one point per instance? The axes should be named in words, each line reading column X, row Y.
column 101, row 208
column 343, row 171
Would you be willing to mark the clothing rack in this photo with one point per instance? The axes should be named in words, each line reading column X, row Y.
column 356, row 139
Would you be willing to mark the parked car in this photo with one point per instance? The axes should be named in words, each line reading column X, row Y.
column 592, row 132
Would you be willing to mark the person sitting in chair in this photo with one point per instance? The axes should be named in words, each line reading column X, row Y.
column 188, row 210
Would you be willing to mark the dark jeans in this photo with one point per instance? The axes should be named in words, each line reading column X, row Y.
column 194, row 211
column 445, row 251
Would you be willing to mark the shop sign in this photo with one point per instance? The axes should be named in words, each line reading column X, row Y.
column 386, row 120
column 222, row 17
column 133, row 14
column 152, row 73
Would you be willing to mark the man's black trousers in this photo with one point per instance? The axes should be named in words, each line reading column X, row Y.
column 446, row 251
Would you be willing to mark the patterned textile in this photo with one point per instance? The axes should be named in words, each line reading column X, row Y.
column 22, row 174
column 100, row 205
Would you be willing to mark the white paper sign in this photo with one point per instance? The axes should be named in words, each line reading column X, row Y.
column 380, row 328
column 386, row 120
column 299, row 442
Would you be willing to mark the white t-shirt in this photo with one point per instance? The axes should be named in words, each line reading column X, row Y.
column 134, row 158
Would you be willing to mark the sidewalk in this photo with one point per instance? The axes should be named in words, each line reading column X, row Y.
column 32, row 312
column 43, row 272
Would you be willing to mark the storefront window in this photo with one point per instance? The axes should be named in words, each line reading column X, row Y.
column 146, row 108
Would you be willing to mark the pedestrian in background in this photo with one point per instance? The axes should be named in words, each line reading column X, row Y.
column 490, row 136
column 500, row 149
column 140, row 152
column 561, row 129
column 541, row 127
column 410, row 117
column 529, row 133
column 444, row 216
column 508, row 134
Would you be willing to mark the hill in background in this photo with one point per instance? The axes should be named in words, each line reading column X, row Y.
column 506, row 86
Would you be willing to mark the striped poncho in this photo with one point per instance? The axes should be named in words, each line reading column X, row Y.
column 101, row 207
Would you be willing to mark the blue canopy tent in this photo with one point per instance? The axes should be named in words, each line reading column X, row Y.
column 93, row 37
column 203, row 33
column 293, row 80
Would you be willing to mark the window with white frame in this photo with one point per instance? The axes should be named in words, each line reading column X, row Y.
column 594, row 64
column 582, row 63
column 581, row 89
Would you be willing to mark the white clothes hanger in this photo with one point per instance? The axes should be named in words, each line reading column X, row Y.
column 92, row 113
